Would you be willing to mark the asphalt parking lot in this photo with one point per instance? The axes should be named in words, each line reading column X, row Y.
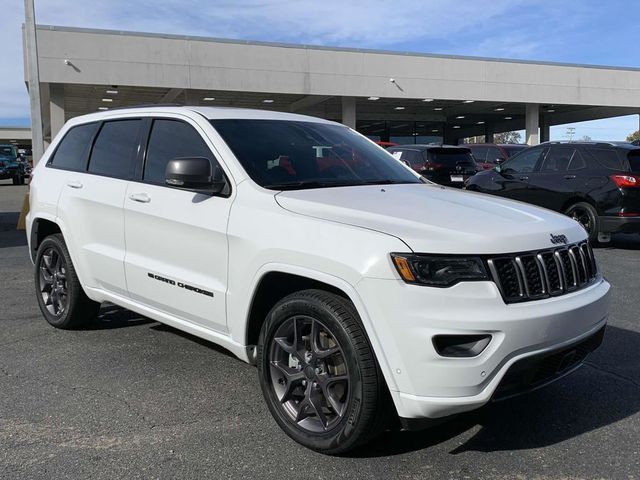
column 130, row 398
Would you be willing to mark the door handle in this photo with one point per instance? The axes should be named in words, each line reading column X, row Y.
column 524, row 178
column 569, row 177
column 74, row 184
column 140, row 197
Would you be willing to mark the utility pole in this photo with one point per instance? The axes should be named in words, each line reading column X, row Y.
column 570, row 132
column 33, row 80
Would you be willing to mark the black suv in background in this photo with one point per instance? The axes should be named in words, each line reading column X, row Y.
column 444, row 164
column 488, row 155
column 597, row 184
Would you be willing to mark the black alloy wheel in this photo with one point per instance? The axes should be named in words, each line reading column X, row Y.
column 585, row 215
column 309, row 374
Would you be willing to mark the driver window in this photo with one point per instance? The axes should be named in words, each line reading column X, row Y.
column 524, row 163
column 171, row 139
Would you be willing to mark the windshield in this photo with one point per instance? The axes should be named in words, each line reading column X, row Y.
column 7, row 152
column 287, row 155
column 450, row 157
column 513, row 149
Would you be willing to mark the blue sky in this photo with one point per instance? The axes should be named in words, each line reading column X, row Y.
column 583, row 31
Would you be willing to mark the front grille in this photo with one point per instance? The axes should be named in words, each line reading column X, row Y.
column 535, row 275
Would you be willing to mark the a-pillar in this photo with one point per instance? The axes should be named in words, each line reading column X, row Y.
column 532, row 122
column 349, row 111
column 56, row 108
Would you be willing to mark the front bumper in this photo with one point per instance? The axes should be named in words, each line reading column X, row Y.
column 611, row 224
column 427, row 385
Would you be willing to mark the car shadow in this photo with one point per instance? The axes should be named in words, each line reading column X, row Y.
column 112, row 316
column 604, row 391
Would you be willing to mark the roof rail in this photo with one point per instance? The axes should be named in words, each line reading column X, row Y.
column 582, row 142
column 147, row 105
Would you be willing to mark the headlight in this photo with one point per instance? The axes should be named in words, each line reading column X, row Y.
column 438, row 271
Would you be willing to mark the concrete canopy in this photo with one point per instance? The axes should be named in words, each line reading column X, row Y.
column 83, row 70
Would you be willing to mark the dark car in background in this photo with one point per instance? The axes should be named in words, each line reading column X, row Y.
column 596, row 183
column 443, row 164
column 488, row 155
column 11, row 165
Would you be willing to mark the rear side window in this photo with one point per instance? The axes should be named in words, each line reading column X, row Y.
column 73, row 149
column 634, row 160
column 524, row 162
column 558, row 159
column 609, row 158
column 494, row 154
column 171, row 139
column 114, row 150
column 479, row 153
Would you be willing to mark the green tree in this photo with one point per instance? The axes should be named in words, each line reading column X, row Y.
column 507, row 137
column 634, row 136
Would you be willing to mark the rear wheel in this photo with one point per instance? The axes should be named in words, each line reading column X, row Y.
column 318, row 373
column 59, row 292
column 585, row 215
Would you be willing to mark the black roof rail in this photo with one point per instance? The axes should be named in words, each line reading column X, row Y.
column 147, row 105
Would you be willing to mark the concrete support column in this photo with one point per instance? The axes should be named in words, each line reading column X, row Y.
column 545, row 129
column 349, row 111
column 488, row 133
column 56, row 108
column 532, row 120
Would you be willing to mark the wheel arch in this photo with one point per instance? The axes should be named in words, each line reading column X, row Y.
column 297, row 279
column 578, row 199
column 41, row 228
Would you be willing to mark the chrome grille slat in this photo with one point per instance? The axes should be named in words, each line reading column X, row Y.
column 544, row 273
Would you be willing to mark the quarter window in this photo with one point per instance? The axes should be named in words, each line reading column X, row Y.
column 72, row 151
column 115, row 149
column 608, row 158
column 171, row 139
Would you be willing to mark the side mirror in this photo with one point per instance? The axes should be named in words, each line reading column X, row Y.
column 499, row 160
column 195, row 173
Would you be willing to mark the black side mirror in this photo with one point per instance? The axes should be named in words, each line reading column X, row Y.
column 499, row 161
column 195, row 173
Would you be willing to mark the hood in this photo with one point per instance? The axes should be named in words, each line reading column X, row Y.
column 435, row 219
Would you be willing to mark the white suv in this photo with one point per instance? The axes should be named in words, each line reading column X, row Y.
column 366, row 296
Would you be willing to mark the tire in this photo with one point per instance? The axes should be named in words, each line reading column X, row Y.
column 346, row 385
column 587, row 216
column 58, row 290
column 15, row 180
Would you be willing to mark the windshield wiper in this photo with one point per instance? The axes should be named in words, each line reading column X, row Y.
column 307, row 184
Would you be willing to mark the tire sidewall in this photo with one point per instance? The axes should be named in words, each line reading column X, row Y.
column 346, row 431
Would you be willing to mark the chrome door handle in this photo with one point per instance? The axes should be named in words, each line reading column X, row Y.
column 74, row 184
column 140, row 197
column 524, row 178
column 569, row 177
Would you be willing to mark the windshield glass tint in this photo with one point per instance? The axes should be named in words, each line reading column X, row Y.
column 7, row 152
column 282, row 154
column 450, row 157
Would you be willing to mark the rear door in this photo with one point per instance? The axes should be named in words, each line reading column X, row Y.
column 91, row 205
column 560, row 177
column 513, row 176
column 177, row 251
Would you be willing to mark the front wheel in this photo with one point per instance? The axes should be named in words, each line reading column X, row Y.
column 587, row 216
column 318, row 373
column 59, row 292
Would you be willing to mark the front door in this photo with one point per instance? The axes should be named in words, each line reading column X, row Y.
column 514, row 175
column 176, row 258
